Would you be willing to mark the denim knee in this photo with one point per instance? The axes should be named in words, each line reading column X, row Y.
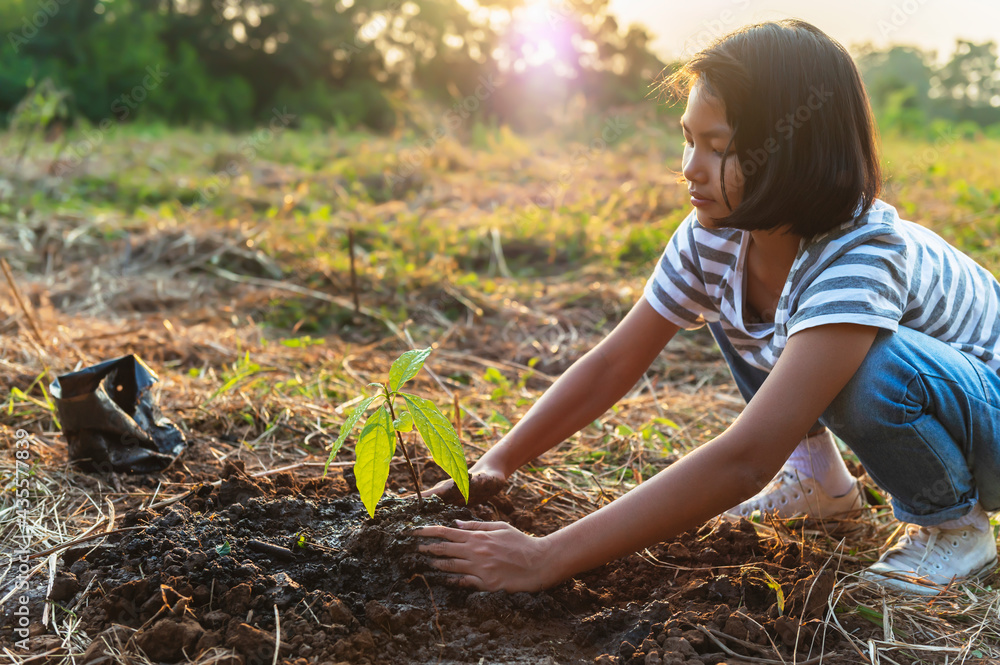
column 877, row 394
column 888, row 414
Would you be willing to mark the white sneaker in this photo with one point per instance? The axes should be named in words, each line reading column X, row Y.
column 793, row 495
column 925, row 560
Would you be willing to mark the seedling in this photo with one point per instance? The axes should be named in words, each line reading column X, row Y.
column 377, row 444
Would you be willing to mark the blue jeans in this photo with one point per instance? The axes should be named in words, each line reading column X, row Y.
column 923, row 418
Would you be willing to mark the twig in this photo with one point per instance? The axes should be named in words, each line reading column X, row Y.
column 354, row 278
column 20, row 302
column 743, row 643
column 274, row 551
column 277, row 635
column 755, row 659
column 48, row 589
column 83, row 539
column 409, row 464
column 433, row 604
column 301, row 290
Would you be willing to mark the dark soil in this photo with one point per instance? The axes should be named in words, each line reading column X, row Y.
column 208, row 576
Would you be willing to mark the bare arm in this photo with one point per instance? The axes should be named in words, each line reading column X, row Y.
column 585, row 391
column 814, row 367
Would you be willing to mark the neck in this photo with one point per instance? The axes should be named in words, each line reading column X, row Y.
column 775, row 252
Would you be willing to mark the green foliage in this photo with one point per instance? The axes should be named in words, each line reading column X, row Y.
column 348, row 425
column 331, row 64
column 502, row 383
column 242, row 370
column 377, row 444
column 441, row 438
column 361, row 104
column 406, row 367
column 909, row 89
column 776, row 587
column 374, row 451
column 43, row 105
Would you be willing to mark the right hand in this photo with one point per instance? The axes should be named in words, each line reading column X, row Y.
column 492, row 556
column 485, row 480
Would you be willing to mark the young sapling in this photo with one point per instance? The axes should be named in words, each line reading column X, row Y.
column 376, row 446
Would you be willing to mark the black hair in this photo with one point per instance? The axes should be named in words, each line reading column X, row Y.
column 804, row 133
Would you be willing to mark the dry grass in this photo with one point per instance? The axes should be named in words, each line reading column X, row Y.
column 189, row 295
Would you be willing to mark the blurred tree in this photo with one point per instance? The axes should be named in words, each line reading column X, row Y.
column 908, row 89
column 968, row 86
column 898, row 83
column 231, row 62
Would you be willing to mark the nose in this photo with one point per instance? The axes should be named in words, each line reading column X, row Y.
column 693, row 166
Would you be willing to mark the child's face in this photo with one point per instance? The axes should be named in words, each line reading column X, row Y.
column 706, row 135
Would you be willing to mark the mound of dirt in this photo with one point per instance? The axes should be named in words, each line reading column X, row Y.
column 252, row 565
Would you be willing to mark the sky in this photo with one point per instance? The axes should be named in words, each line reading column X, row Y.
column 681, row 28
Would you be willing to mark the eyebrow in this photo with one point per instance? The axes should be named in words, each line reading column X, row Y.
column 717, row 132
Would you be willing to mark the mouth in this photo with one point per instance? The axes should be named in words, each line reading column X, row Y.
column 699, row 199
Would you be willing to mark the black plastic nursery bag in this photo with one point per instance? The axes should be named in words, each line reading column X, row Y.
column 111, row 420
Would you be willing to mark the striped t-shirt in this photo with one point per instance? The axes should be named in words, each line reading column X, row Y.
column 877, row 270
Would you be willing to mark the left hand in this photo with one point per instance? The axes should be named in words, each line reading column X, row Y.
column 491, row 556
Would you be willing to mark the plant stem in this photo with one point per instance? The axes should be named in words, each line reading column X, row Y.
column 409, row 464
column 354, row 278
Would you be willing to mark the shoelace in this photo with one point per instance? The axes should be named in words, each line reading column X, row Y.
column 904, row 553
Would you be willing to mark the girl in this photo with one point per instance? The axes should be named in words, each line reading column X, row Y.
column 833, row 315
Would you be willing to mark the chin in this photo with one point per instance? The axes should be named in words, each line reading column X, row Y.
column 705, row 219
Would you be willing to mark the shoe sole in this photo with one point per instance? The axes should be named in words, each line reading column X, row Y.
column 902, row 585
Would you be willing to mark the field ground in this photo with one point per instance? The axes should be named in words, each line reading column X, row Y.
column 509, row 255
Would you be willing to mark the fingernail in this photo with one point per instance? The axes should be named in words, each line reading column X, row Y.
column 460, row 523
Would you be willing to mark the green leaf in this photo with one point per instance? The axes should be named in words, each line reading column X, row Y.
column 441, row 439
column 404, row 423
column 493, row 375
column 301, row 342
column 223, row 549
column 348, row 425
column 773, row 583
column 498, row 418
column 871, row 615
column 406, row 367
column 375, row 449
column 876, row 497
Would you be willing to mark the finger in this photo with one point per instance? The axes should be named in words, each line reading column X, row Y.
column 461, row 566
column 484, row 486
column 445, row 548
column 481, row 487
column 472, row 582
column 440, row 489
column 455, row 535
column 451, row 494
column 465, row 581
column 481, row 526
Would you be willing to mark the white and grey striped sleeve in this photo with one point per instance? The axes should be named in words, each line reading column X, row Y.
column 867, row 285
column 676, row 289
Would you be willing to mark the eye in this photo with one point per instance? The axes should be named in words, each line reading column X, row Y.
column 689, row 144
